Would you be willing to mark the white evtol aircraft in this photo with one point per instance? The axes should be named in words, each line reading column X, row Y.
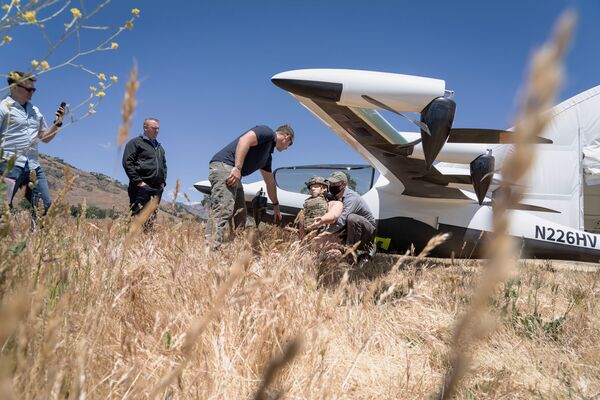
column 442, row 179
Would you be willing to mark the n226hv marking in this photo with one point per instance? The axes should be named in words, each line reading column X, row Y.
column 568, row 237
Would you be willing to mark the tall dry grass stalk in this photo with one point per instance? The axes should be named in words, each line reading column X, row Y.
column 545, row 76
column 175, row 194
column 128, row 106
column 276, row 364
column 69, row 182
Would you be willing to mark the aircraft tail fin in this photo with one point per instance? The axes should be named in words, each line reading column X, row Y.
column 557, row 178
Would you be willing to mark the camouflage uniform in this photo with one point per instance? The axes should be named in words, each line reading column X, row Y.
column 314, row 206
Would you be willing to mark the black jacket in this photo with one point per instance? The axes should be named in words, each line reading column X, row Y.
column 142, row 162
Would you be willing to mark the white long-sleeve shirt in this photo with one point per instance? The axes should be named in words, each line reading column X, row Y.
column 19, row 129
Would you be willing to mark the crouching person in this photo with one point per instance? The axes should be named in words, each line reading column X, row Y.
column 315, row 206
column 355, row 223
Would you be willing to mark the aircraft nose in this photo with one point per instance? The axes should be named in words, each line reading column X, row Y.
column 318, row 90
column 203, row 187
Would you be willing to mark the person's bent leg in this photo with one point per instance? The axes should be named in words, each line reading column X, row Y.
column 359, row 229
column 240, row 213
column 222, row 203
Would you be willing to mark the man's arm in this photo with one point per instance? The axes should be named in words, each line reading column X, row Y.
column 130, row 161
column 46, row 135
column 272, row 192
column 249, row 139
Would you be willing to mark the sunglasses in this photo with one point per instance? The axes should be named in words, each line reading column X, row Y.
column 29, row 89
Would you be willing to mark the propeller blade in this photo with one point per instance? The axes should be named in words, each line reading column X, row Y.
column 379, row 104
column 476, row 135
column 446, row 179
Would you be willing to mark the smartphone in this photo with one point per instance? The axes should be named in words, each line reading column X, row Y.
column 65, row 107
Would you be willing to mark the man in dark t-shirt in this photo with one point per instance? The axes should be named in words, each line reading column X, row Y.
column 248, row 153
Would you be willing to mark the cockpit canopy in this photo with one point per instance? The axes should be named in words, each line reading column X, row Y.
column 293, row 179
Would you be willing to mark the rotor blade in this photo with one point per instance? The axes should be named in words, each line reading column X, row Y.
column 476, row 135
column 379, row 104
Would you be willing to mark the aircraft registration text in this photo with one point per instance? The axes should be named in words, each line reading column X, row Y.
column 566, row 237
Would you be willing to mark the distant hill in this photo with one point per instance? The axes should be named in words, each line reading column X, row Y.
column 97, row 189
column 102, row 191
column 196, row 208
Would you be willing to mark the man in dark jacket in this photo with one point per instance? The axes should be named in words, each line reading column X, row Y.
column 146, row 167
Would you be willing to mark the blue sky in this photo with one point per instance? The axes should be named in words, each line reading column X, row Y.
column 205, row 69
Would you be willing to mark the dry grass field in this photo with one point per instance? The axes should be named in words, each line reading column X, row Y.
column 90, row 312
column 93, row 309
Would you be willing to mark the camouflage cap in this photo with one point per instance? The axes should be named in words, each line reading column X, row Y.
column 319, row 180
column 338, row 176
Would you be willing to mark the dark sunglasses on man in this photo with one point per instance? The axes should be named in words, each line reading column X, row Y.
column 29, row 89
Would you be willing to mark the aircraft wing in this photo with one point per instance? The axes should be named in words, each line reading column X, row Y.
column 411, row 172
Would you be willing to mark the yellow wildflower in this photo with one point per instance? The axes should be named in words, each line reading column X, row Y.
column 92, row 89
column 135, row 11
column 92, row 111
column 15, row 2
column 91, row 105
column 114, row 79
column 44, row 64
column 6, row 39
column 114, row 45
column 5, row 7
column 129, row 25
column 76, row 13
column 34, row 63
column 101, row 76
column 14, row 76
column 101, row 85
column 30, row 17
column 100, row 94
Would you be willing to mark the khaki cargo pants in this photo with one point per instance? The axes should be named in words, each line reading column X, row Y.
column 225, row 203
